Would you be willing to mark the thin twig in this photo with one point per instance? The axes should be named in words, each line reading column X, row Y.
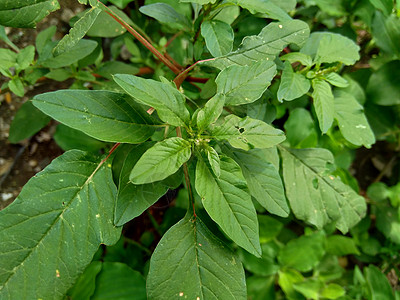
column 182, row 76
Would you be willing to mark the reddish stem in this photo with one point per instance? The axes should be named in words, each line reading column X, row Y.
column 182, row 75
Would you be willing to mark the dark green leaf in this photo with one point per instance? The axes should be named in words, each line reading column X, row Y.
column 323, row 103
column 84, row 287
column 191, row 262
column 378, row 285
column 300, row 129
column 166, row 14
column 218, row 36
column 293, row 85
column 106, row 26
column 110, row 68
column 66, row 209
column 214, row 161
column 25, row 57
column 104, row 115
column 228, row 202
column 386, row 6
column 341, row 245
column 386, row 32
column 387, row 222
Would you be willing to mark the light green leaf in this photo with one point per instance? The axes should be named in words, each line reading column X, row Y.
column 161, row 160
column 118, row 281
column 287, row 279
column 315, row 196
column 107, row 116
column 133, row 200
column 336, row 80
column 264, row 46
column 16, row 86
column 378, row 285
column 333, row 291
column 66, row 209
column 263, row 179
column 303, row 253
column 300, row 129
column 386, row 32
column 169, row 103
column 214, row 161
column 341, row 245
column 77, row 32
column 386, row 6
column 210, row 112
column 293, row 57
column 293, row 85
column 228, row 202
column 323, row 104
column 247, row 133
column 245, row 84
column 25, row 13
column 268, row 8
column 191, row 262
column 105, row 25
column 218, row 36
column 309, row 288
column 351, row 120
column 166, row 14
column 25, row 57
column 27, row 121
column 328, row 47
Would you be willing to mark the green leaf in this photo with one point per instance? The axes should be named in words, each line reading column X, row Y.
column 287, row 279
column 387, row 222
column 328, row 47
column 263, row 179
column 336, row 80
column 8, row 58
column 191, row 262
column 25, row 57
column 245, row 84
column 59, row 74
column 4, row 37
column 161, row 160
column 133, row 199
column 300, row 129
column 118, row 281
column 81, row 49
column 84, row 287
column 303, row 253
column 16, row 86
column 110, row 68
column 333, row 291
column 218, row 36
column 214, row 161
column 268, row 8
column 351, row 120
column 386, row 6
column 66, row 209
column 25, row 13
column 76, row 33
column 169, row 103
column 247, row 133
column 309, row 288
column 341, row 245
column 378, row 285
column 27, row 121
column 166, row 14
column 121, row 4
column 386, row 32
column 315, row 196
column 107, row 116
column 210, row 112
column 293, row 85
column 228, row 202
column 293, row 57
column 106, row 26
column 323, row 104
column 44, row 39
column 264, row 46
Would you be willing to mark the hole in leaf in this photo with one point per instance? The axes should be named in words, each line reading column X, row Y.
column 315, row 183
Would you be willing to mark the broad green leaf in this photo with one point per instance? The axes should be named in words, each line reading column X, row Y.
column 107, row 116
column 8, row 58
column 218, row 36
column 110, row 68
column 293, row 85
column 166, row 14
column 25, row 13
column 133, row 200
column 333, row 291
column 44, row 38
column 264, row 181
column 16, row 86
column 190, row 262
column 77, row 32
column 245, row 84
column 378, row 285
column 265, row 265
column 328, row 47
column 81, row 49
column 25, row 57
column 227, row 14
column 247, row 133
column 264, row 46
column 105, row 26
column 351, row 120
column 387, row 222
column 341, row 245
column 386, row 6
column 67, row 209
column 303, row 253
column 210, row 112
column 269, row 228
column 293, row 57
column 118, row 281
column 336, row 80
column 287, row 5
column 309, row 288
column 59, row 74
column 323, row 104
column 332, row 7
column 260, row 287
column 161, row 160
column 386, row 32
column 27, row 121
column 84, row 287
column 228, row 202
column 169, row 103
column 287, row 279
column 300, row 129
column 268, row 8
column 315, row 196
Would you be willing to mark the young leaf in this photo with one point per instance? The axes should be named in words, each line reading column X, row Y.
column 161, row 160
column 66, row 209
column 210, row 112
column 351, row 119
column 245, row 84
column 16, row 86
column 133, row 200
column 214, row 161
column 25, row 57
column 218, row 36
column 266, row 45
column 107, row 116
column 293, row 57
column 191, row 262
column 316, row 197
column 25, row 13
column 169, row 103
column 323, row 104
column 336, row 80
column 77, row 32
column 293, row 85
column 247, row 133
column 228, row 202
column 263, row 179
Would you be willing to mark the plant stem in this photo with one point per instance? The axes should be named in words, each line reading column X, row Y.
column 182, row 75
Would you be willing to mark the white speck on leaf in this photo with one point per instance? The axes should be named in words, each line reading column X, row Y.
column 57, row 273
column 180, row 294
column 98, row 216
column 280, row 26
column 361, row 126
